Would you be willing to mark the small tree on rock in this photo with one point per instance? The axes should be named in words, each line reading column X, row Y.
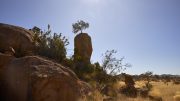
column 79, row 26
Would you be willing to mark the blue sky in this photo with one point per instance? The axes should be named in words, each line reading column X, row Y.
column 145, row 32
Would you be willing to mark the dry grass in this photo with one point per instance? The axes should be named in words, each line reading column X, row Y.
column 95, row 96
column 177, row 96
column 124, row 98
column 168, row 92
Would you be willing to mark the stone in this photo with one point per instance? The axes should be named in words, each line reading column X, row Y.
column 82, row 48
column 4, row 59
column 33, row 78
column 15, row 40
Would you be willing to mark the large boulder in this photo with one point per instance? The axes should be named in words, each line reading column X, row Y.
column 15, row 40
column 82, row 48
column 32, row 78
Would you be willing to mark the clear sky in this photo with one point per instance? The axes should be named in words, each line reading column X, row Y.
column 146, row 32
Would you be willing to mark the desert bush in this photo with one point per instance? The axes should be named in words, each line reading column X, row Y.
column 147, row 76
column 51, row 45
column 95, row 96
column 143, row 92
column 68, row 62
column 176, row 82
column 85, row 73
column 128, row 80
column 109, row 90
column 148, row 86
column 129, row 89
column 112, row 65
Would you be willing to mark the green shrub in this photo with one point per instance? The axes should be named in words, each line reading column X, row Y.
column 68, row 62
column 51, row 45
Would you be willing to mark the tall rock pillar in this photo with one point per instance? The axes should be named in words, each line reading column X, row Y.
column 82, row 49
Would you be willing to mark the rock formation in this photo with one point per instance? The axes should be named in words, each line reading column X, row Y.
column 32, row 78
column 15, row 40
column 82, row 48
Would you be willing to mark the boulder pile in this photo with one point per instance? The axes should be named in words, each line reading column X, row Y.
column 33, row 78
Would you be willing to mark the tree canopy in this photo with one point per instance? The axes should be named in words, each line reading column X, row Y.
column 79, row 26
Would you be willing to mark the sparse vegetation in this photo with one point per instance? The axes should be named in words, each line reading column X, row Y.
column 106, row 78
column 147, row 76
column 48, row 44
column 107, row 81
column 112, row 65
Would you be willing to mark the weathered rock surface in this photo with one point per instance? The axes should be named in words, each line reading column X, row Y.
column 32, row 78
column 83, row 48
column 15, row 40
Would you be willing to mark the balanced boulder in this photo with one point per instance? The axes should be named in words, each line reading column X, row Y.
column 82, row 48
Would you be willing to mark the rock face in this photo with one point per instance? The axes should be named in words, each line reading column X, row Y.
column 82, row 48
column 32, row 78
column 15, row 40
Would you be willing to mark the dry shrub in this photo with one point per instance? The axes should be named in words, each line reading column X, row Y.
column 120, row 84
column 139, row 84
column 143, row 92
column 95, row 96
column 110, row 90
column 129, row 89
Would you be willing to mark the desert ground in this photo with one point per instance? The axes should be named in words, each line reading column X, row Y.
column 168, row 92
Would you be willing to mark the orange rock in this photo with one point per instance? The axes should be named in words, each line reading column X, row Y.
column 32, row 78
column 17, row 38
column 83, row 48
